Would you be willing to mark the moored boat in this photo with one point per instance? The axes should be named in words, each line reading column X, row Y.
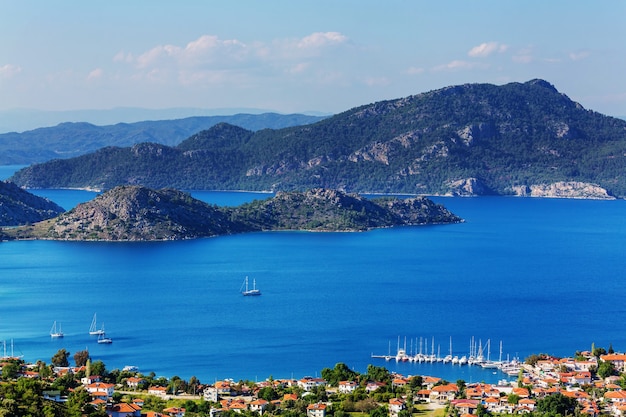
column 56, row 333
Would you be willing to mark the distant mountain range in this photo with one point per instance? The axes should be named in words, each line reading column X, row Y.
column 71, row 139
column 21, row 120
column 473, row 139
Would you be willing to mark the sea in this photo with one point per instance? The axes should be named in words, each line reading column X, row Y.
column 531, row 275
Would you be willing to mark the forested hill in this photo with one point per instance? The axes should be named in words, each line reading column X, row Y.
column 132, row 213
column 67, row 140
column 473, row 139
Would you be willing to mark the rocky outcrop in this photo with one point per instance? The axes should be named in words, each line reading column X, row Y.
column 564, row 189
column 467, row 187
column 18, row 207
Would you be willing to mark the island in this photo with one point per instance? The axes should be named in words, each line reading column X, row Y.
column 137, row 213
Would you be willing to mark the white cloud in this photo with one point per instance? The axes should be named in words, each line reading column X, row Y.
column 321, row 39
column 487, row 48
column 95, row 74
column 458, row 65
column 376, row 81
column 9, row 70
column 580, row 55
column 415, row 70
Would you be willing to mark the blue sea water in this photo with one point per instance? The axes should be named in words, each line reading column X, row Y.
column 540, row 275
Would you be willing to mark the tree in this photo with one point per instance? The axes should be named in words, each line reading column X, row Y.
column 557, row 404
column 81, row 357
column 98, row 368
column 598, row 351
column 606, row 369
column 10, row 370
column 60, row 359
column 340, row 372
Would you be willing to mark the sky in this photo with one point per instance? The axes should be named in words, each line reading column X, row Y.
column 296, row 56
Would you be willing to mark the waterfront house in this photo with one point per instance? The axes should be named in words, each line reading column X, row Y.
column 316, row 410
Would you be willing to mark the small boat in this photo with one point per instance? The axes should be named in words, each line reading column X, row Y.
column 93, row 330
column 54, row 332
column 246, row 291
column 102, row 338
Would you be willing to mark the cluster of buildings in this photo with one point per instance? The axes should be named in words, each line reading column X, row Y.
column 572, row 378
column 575, row 378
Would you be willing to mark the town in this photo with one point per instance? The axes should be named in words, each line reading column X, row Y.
column 592, row 383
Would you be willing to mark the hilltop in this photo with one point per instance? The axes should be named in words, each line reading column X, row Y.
column 136, row 213
column 18, row 206
column 523, row 139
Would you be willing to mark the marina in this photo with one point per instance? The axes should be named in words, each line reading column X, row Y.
column 417, row 352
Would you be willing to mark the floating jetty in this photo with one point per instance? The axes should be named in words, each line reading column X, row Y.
column 478, row 355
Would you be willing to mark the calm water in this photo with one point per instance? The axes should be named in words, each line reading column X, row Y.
column 540, row 275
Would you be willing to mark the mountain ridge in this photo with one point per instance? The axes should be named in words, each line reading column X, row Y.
column 470, row 139
column 69, row 139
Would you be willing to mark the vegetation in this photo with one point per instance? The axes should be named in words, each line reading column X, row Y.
column 498, row 139
column 138, row 213
column 21, row 207
column 72, row 139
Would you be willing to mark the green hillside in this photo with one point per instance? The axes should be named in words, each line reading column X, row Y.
column 473, row 139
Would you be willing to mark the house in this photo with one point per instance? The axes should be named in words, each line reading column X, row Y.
column 346, row 387
column 90, row 379
column 133, row 382
column 316, row 410
column 174, row 412
column 308, row 383
column 443, row 393
column 159, row 391
column 100, row 390
column 617, row 359
column 223, row 388
column 373, row 386
column 465, row 406
column 395, row 406
column 258, row 405
column 124, row 410
column 210, row 394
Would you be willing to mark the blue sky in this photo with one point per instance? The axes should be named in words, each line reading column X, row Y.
column 298, row 55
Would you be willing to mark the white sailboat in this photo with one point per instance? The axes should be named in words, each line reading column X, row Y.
column 54, row 332
column 93, row 330
column 247, row 291
column 102, row 338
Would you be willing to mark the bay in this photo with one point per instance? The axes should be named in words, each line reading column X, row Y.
column 540, row 275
